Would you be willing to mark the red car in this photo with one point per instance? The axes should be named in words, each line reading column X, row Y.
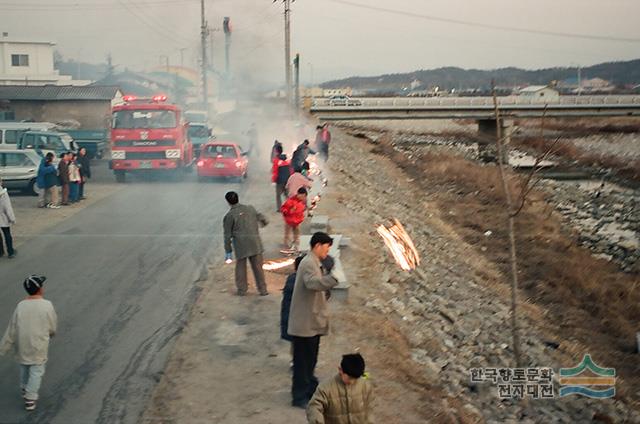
column 222, row 159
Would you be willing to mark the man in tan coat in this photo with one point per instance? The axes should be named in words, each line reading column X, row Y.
column 309, row 316
column 346, row 398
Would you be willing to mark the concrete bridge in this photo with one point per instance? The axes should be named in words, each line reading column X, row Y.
column 478, row 108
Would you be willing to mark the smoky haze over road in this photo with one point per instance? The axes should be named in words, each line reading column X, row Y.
column 121, row 275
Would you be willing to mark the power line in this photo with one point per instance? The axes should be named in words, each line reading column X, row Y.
column 72, row 7
column 151, row 26
column 487, row 26
column 157, row 21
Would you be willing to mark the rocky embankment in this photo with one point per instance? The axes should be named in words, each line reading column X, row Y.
column 455, row 310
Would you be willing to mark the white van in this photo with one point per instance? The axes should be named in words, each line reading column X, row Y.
column 10, row 132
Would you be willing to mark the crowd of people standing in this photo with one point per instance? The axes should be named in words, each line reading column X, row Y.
column 65, row 181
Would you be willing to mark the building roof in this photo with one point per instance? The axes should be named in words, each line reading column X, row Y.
column 58, row 92
column 24, row 41
column 533, row 88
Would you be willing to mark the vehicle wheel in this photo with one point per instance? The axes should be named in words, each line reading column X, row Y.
column 120, row 176
column 33, row 189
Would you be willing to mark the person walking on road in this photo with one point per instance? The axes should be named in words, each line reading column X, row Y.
column 309, row 316
column 281, row 172
column 7, row 219
column 32, row 325
column 347, row 398
column 84, row 163
column 63, row 176
column 241, row 234
column 293, row 214
column 47, row 181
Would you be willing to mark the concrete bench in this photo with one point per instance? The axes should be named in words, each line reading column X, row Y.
column 319, row 223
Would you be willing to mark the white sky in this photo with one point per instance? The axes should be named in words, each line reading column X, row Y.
column 334, row 39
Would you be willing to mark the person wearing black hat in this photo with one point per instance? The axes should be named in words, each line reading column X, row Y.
column 33, row 323
column 346, row 398
column 309, row 316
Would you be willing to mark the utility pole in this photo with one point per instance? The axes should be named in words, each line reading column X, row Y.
column 296, row 103
column 287, row 49
column 203, row 65
column 226, row 26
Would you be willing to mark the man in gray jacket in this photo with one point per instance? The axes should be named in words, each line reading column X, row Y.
column 241, row 228
column 309, row 316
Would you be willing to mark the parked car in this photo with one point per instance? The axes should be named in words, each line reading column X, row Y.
column 47, row 141
column 342, row 100
column 19, row 169
column 222, row 159
column 11, row 132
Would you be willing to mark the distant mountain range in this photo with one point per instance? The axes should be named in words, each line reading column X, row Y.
column 618, row 73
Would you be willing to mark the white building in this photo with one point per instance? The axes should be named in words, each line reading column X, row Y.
column 540, row 93
column 30, row 63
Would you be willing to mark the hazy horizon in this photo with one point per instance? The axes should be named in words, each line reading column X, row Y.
column 336, row 38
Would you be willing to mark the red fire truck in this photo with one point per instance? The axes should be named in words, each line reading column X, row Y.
column 148, row 134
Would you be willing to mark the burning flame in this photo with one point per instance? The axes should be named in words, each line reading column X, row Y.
column 400, row 244
column 315, row 201
column 277, row 264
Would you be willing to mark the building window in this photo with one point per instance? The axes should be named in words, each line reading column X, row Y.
column 19, row 60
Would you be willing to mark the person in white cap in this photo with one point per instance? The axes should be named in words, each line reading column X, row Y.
column 33, row 323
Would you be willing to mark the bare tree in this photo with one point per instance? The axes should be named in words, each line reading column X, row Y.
column 528, row 183
column 502, row 155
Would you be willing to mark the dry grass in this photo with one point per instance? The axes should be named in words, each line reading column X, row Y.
column 588, row 299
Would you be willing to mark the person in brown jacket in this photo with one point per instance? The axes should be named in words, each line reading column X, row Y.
column 63, row 175
column 347, row 398
column 309, row 316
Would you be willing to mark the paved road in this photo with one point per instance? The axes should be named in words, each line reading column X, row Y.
column 121, row 275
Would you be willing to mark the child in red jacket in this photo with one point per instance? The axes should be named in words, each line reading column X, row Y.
column 293, row 213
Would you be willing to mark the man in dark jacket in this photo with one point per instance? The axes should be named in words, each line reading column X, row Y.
column 301, row 154
column 241, row 229
column 84, row 164
column 287, row 293
column 63, row 175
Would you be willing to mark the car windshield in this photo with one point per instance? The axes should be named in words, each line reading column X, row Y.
column 198, row 131
column 224, row 151
column 132, row 119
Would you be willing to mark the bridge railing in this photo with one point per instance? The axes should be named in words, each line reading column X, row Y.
column 483, row 101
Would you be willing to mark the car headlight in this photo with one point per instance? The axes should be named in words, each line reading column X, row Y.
column 118, row 154
column 173, row 154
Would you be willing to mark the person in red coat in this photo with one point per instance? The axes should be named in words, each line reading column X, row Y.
column 293, row 213
column 280, row 173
